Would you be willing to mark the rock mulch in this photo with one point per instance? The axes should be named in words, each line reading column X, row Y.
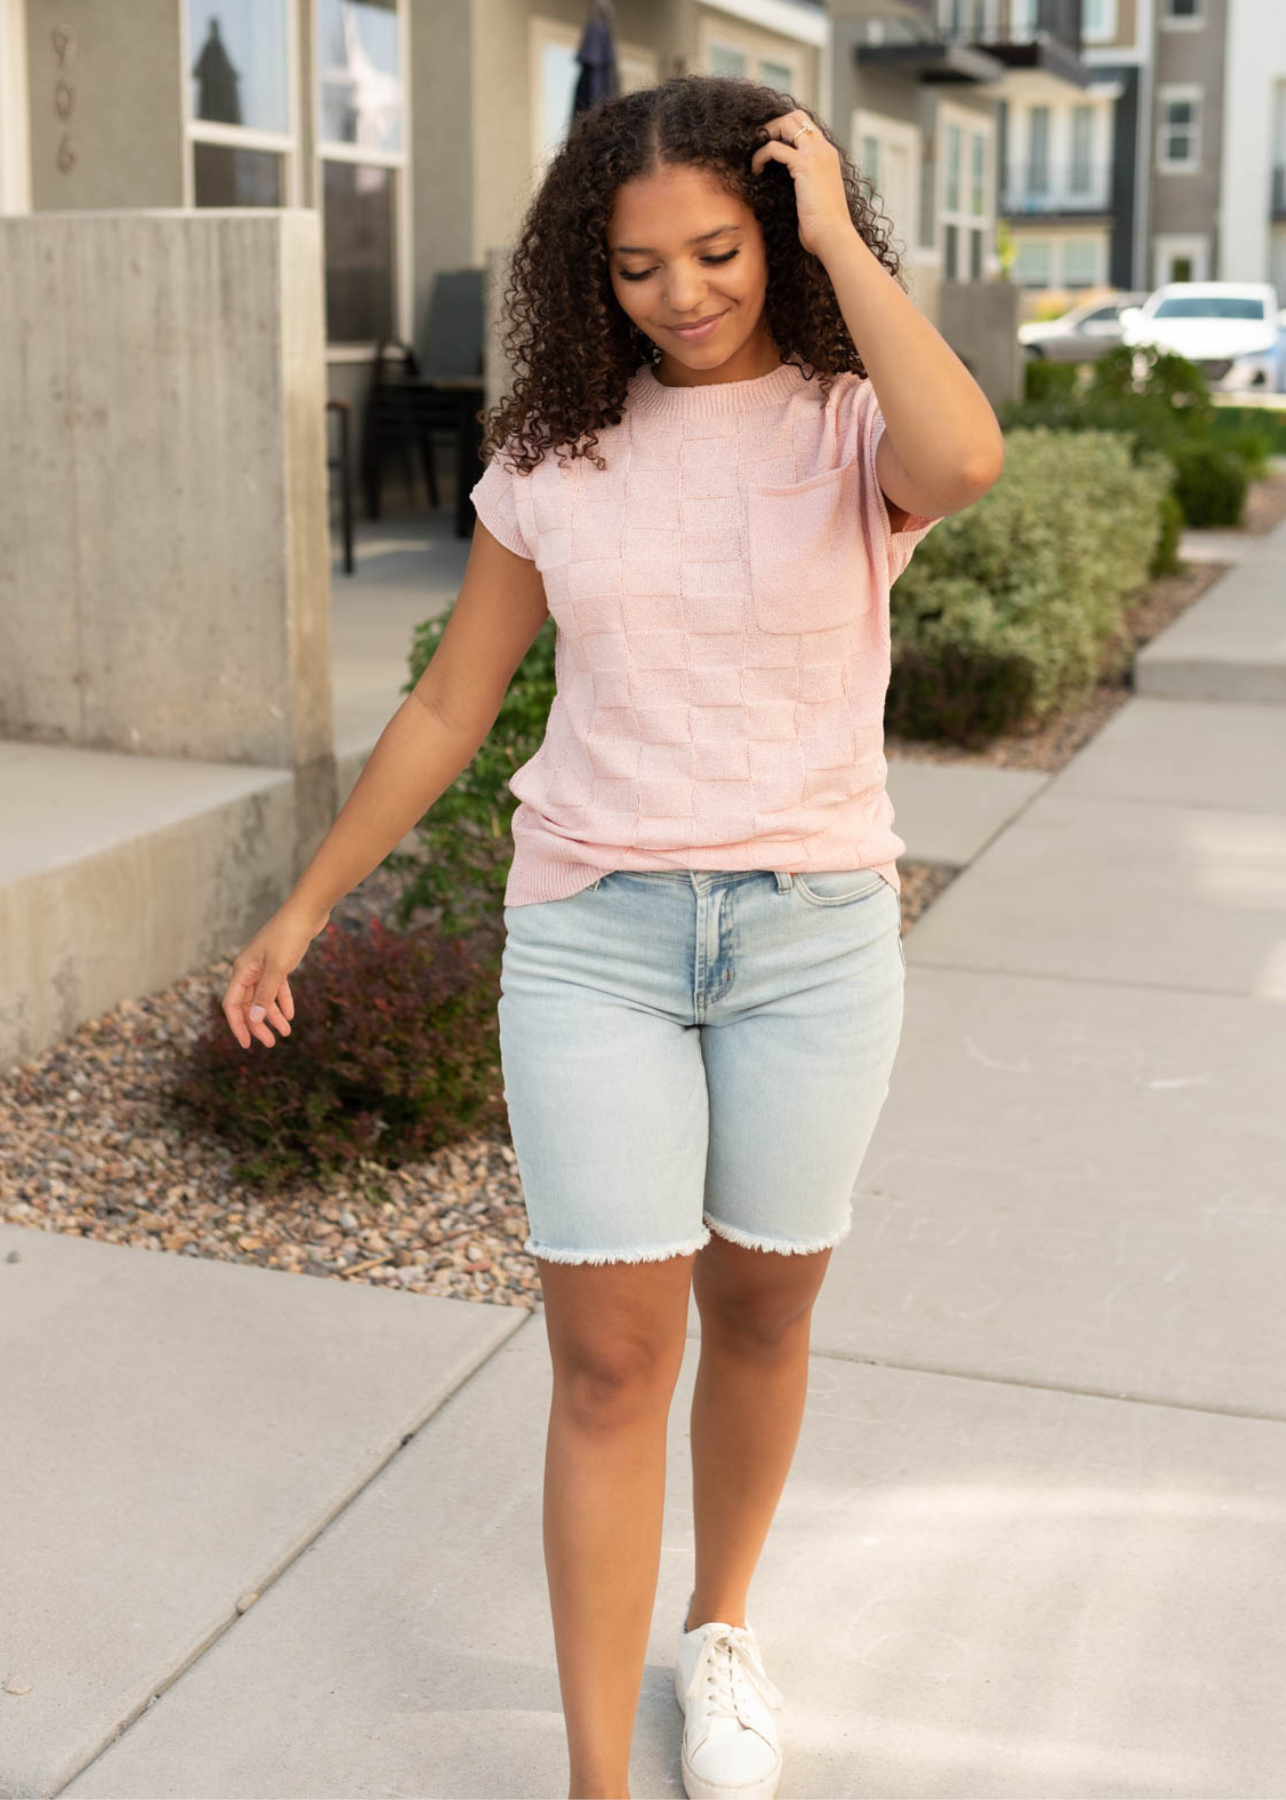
column 90, row 1150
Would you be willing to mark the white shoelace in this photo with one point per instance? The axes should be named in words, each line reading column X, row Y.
column 730, row 1662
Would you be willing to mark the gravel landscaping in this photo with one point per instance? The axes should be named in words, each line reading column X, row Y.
column 89, row 1151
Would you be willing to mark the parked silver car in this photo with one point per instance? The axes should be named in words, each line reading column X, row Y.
column 1081, row 334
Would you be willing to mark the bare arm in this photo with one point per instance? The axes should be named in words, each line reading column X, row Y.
column 439, row 727
column 942, row 446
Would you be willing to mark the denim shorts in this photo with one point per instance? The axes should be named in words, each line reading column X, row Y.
column 687, row 1051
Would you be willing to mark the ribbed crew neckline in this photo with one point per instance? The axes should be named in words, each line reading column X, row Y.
column 648, row 395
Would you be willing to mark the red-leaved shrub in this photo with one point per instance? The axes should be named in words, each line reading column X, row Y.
column 393, row 1052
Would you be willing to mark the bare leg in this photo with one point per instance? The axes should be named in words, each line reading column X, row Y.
column 616, row 1337
column 747, row 1409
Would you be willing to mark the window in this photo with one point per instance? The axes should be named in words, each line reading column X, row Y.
column 966, row 208
column 1038, row 150
column 239, row 106
column 1024, row 19
column 1181, row 13
column 748, row 55
column 1080, row 175
column 724, row 60
column 951, row 200
column 871, row 159
column 361, row 133
column 1179, row 137
column 1080, row 262
column 1034, row 264
column 1063, row 262
column 977, row 174
column 1098, row 21
column 968, row 19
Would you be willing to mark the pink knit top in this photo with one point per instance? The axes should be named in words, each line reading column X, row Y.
column 721, row 598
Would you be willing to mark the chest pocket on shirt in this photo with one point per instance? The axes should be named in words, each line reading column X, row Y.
column 808, row 568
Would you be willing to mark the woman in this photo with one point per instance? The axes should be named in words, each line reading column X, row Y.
column 729, row 427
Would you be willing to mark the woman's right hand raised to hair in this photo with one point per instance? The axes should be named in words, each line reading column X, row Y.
column 258, row 994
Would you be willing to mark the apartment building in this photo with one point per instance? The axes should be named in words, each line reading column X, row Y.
column 1073, row 160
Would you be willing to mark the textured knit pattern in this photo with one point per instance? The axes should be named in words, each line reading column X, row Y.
column 721, row 597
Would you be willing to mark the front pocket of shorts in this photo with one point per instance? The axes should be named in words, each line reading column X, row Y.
column 807, row 558
column 837, row 887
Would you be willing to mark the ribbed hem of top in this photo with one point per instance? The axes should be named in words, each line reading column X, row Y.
column 648, row 395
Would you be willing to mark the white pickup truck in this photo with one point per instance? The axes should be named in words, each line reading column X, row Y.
column 1232, row 330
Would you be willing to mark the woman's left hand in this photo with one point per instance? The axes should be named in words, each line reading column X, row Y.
column 814, row 167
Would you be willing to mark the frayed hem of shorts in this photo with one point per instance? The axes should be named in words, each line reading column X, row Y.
column 617, row 1256
column 750, row 1241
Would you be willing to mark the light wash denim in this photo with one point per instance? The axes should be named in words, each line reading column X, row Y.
column 687, row 1051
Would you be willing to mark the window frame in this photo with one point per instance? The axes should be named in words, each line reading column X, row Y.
column 1192, row 92
column 326, row 150
column 243, row 137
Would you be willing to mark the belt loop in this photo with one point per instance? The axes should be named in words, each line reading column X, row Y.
column 784, row 881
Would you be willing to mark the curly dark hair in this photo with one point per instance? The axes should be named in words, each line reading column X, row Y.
column 570, row 345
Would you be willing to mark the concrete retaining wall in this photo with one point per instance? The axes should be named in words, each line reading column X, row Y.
column 164, row 566
column 979, row 319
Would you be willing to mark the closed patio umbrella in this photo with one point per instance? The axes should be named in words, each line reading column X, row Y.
column 596, row 55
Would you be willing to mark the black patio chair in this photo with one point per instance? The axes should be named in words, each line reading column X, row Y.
column 409, row 407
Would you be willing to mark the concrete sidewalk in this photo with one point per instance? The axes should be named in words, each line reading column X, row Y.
column 283, row 1538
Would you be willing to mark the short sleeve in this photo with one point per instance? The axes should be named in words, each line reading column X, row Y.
column 899, row 545
column 495, row 504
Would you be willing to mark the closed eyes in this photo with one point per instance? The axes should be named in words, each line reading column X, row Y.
column 643, row 274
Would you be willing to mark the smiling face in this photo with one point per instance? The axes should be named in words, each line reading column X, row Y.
column 682, row 250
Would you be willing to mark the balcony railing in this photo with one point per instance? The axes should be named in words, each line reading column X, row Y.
column 1057, row 188
column 1013, row 23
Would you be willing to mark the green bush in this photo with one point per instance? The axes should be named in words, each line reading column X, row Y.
column 464, row 845
column 1044, row 380
column 1161, row 403
column 1209, row 484
column 1263, row 421
column 1251, row 445
column 1014, row 607
column 393, row 1052
column 1165, row 558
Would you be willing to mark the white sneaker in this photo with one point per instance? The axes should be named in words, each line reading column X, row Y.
column 730, row 1745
